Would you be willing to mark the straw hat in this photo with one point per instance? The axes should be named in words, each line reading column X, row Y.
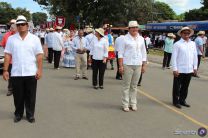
column 185, row 28
column 201, row 33
column 100, row 31
column 170, row 35
column 133, row 24
column 89, row 30
column 21, row 19
column 51, row 29
column 58, row 27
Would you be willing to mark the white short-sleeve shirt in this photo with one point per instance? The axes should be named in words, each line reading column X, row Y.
column 23, row 54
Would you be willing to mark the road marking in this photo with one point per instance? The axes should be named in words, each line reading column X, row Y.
column 173, row 109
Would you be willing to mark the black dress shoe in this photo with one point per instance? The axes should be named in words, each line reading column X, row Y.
column 9, row 93
column 17, row 119
column 177, row 106
column 31, row 119
column 185, row 104
column 138, row 84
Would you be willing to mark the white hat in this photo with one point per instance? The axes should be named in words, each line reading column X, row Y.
column 170, row 35
column 58, row 27
column 89, row 30
column 133, row 24
column 100, row 31
column 51, row 29
column 21, row 19
column 185, row 28
column 201, row 33
column 65, row 29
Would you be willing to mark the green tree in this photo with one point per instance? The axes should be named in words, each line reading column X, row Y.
column 6, row 9
column 24, row 12
column 163, row 11
column 8, row 13
column 196, row 14
column 39, row 17
column 116, row 12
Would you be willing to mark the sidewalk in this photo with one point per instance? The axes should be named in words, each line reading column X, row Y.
column 203, row 69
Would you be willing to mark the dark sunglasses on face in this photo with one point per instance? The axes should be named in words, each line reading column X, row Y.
column 21, row 24
column 187, row 33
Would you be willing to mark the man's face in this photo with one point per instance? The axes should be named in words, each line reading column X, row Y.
column 81, row 33
column 23, row 27
column 185, row 34
column 13, row 28
column 133, row 31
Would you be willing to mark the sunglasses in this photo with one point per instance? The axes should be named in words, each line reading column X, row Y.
column 21, row 24
column 187, row 33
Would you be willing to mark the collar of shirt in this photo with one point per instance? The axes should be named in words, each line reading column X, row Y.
column 182, row 40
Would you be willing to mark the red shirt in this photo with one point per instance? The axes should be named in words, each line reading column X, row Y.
column 5, row 38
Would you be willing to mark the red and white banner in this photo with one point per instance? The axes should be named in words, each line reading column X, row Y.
column 60, row 21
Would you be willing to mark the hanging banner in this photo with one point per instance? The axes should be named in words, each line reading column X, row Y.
column 60, row 21
column 49, row 24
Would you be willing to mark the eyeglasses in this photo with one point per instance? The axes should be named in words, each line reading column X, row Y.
column 21, row 24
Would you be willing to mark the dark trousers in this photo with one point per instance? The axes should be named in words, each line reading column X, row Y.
column 24, row 93
column 50, row 55
column 57, row 56
column 180, row 87
column 10, row 80
column 42, row 41
column 199, row 60
column 98, row 67
column 166, row 59
column 140, row 78
column 118, row 75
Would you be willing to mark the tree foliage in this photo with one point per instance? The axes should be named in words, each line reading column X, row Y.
column 39, row 17
column 97, row 12
column 8, row 13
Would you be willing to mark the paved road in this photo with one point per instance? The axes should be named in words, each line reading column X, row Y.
column 73, row 109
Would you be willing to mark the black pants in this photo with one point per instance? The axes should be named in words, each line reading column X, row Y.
column 42, row 41
column 98, row 66
column 140, row 78
column 118, row 75
column 50, row 55
column 166, row 59
column 180, row 87
column 24, row 93
column 57, row 56
column 199, row 60
column 10, row 80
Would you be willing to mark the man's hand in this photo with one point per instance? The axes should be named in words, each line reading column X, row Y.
column 121, row 70
column 6, row 75
column 104, row 60
column 38, row 74
column 143, row 69
column 195, row 72
column 175, row 73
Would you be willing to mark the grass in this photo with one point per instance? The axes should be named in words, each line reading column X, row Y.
column 157, row 52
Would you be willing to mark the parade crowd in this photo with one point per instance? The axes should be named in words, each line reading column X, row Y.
column 91, row 49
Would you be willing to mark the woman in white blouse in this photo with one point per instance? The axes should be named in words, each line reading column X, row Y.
column 99, row 52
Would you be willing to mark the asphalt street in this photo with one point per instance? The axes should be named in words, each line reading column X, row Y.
column 73, row 109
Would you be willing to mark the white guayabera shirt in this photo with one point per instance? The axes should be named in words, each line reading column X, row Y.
column 132, row 50
column 24, row 54
column 184, row 56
